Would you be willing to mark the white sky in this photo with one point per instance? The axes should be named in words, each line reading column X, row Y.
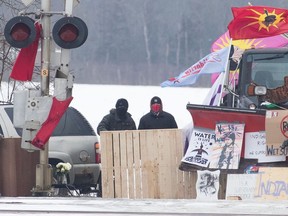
column 95, row 101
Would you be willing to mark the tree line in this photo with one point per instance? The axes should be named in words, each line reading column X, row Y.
column 142, row 42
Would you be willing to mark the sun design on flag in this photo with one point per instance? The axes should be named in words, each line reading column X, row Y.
column 265, row 20
column 243, row 44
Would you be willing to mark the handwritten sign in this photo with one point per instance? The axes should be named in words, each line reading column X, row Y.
column 241, row 186
column 255, row 148
column 272, row 183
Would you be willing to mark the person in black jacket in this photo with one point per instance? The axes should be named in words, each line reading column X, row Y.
column 117, row 119
column 157, row 118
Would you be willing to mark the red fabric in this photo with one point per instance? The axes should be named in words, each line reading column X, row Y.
column 57, row 110
column 24, row 64
column 257, row 22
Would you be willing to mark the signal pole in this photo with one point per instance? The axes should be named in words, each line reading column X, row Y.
column 44, row 169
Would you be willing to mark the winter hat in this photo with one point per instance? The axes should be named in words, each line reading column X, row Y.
column 155, row 99
column 121, row 103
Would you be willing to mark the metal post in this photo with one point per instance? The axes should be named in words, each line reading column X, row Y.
column 43, row 169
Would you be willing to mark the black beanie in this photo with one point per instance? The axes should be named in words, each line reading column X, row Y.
column 122, row 103
column 155, row 99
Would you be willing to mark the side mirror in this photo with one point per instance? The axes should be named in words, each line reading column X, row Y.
column 253, row 90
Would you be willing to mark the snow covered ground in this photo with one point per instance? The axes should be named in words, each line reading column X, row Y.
column 94, row 206
column 95, row 101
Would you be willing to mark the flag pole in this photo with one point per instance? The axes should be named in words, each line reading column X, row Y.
column 227, row 71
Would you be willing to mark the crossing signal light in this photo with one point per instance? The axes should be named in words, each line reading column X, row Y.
column 20, row 31
column 70, row 32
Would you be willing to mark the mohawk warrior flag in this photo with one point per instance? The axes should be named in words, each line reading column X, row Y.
column 258, row 22
column 213, row 63
column 24, row 64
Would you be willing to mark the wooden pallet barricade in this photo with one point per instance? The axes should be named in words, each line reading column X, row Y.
column 145, row 164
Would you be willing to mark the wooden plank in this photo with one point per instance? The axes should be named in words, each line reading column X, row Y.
column 149, row 162
column 190, row 179
column 192, row 185
column 178, row 157
column 165, row 161
column 154, row 161
column 145, row 162
column 222, row 186
column 180, row 189
column 107, row 170
column 130, row 165
column 176, row 141
column 123, row 164
column 117, row 164
column 137, row 165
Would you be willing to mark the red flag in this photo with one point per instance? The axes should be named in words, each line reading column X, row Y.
column 57, row 110
column 24, row 64
column 258, row 22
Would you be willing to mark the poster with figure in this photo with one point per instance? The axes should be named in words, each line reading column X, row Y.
column 207, row 185
column 200, row 146
column 226, row 151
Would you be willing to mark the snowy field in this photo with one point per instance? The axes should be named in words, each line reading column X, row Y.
column 95, row 101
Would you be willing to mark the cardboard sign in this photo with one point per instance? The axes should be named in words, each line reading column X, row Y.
column 255, row 148
column 272, row 183
column 276, row 126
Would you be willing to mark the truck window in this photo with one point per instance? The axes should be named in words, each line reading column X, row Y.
column 9, row 111
column 262, row 67
column 72, row 123
column 269, row 69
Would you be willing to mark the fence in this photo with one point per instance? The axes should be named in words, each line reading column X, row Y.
column 145, row 164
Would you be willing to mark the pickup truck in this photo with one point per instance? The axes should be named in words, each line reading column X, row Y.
column 73, row 141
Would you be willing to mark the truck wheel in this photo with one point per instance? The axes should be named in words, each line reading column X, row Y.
column 99, row 187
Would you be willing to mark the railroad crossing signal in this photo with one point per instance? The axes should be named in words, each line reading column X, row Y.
column 68, row 32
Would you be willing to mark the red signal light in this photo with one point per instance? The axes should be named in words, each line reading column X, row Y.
column 70, row 32
column 20, row 31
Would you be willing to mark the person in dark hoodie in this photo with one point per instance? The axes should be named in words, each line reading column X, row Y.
column 117, row 119
column 157, row 118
